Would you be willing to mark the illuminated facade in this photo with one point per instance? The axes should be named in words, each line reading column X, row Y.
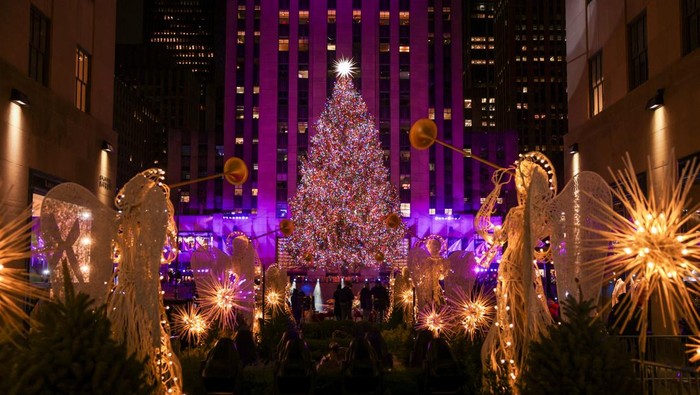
column 278, row 57
column 56, row 84
column 616, row 67
column 530, row 66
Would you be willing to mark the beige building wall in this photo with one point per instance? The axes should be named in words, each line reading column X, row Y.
column 625, row 125
column 51, row 136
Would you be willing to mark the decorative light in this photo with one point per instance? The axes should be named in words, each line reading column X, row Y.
column 344, row 68
column 657, row 249
column 221, row 298
column 189, row 323
column 436, row 319
column 474, row 311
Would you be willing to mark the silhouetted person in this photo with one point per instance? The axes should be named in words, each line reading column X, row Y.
column 366, row 302
column 346, row 298
column 297, row 303
column 381, row 300
column 336, row 304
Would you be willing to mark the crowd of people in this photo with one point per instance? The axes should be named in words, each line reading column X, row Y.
column 373, row 302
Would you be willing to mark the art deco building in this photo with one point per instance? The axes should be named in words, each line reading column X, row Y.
column 531, row 74
column 279, row 56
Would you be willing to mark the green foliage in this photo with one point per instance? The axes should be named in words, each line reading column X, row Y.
column 577, row 357
column 324, row 329
column 271, row 333
column 69, row 351
column 496, row 383
column 191, row 362
column 399, row 342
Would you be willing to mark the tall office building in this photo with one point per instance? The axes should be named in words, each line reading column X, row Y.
column 168, row 49
column 279, row 56
column 531, row 74
column 485, row 137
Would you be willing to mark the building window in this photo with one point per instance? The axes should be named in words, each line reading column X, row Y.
column 691, row 24
column 39, row 26
column 82, row 80
column 638, row 67
column 595, row 74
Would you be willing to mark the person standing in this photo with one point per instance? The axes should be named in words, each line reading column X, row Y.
column 336, row 303
column 381, row 300
column 297, row 300
column 366, row 302
column 346, row 298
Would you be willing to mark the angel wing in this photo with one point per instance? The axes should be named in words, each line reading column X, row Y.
column 573, row 242
column 77, row 227
column 209, row 259
column 461, row 268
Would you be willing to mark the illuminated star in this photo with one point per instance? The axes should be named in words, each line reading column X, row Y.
column 655, row 246
column 436, row 319
column 222, row 297
column 474, row 311
column 344, row 68
column 189, row 323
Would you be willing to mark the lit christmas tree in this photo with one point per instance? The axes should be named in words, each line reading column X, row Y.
column 342, row 211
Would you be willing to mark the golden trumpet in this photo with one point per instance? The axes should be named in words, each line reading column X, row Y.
column 423, row 134
column 235, row 172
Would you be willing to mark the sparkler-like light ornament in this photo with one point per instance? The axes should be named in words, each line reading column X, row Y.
column 436, row 319
column 274, row 301
column 222, row 297
column 657, row 247
column 474, row 311
column 189, row 323
column 344, row 68
column 694, row 349
column 14, row 286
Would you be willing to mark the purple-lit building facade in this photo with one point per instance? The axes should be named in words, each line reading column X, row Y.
column 411, row 61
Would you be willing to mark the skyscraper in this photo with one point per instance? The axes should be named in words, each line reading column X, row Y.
column 530, row 74
column 279, row 54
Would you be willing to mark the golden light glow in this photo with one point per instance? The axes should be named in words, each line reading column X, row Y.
column 275, row 301
column 344, row 68
column 14, row 284
column 189, row 323
column 657, row 248
column 694, row 350
column 474, row 311
column 222, row 297
column 436, row 319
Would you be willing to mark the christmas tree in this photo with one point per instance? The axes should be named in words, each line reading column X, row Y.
column 341, row 208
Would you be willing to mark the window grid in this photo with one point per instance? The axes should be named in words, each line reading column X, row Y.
column 82, row 80
column 39, row 26
column 691, row 25
column 638, row 65
column 595, row 66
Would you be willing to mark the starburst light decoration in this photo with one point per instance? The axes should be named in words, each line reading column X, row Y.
column 436, row 319
column 473, row 310
column 694, row 350
column 344, row 68
column 222, row 297
column 655, row 245
column 14, row 285
column 189, row 323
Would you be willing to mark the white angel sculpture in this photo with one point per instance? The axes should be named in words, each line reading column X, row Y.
column 427, row 268
column 92, row 237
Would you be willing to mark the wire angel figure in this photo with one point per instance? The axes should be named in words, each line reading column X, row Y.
column 427, row 268
column 522, row 314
